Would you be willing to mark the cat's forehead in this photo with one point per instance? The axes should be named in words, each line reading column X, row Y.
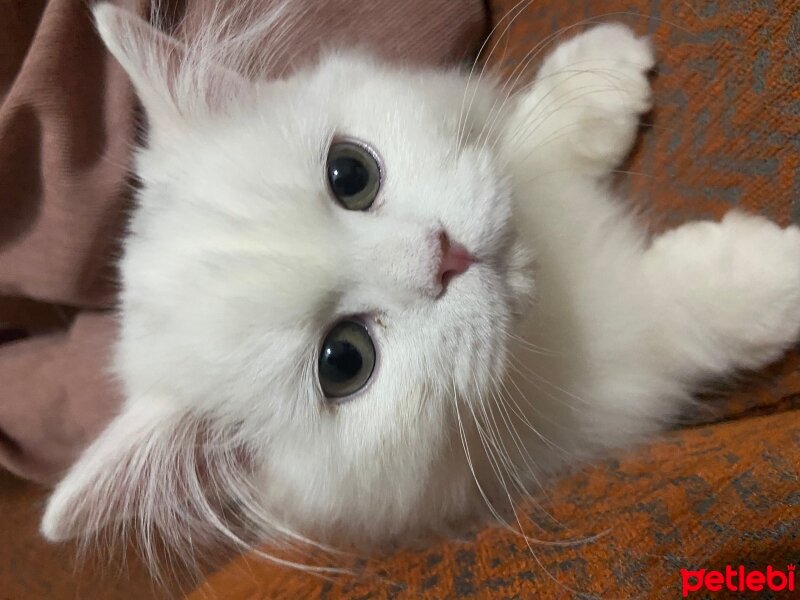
column 355, row 90
column 406, row 113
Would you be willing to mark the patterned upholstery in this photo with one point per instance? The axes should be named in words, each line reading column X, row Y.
column 724, row 489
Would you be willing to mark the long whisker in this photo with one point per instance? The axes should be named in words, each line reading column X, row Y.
column 552, row 108
column 464, row 116
column 465, row 444
column 532, row 468
column 528, row 345
column 526, row 459
column 512, row 79
column 528, row 540
column 547, row 382
column 526, row 422
column 499, row 444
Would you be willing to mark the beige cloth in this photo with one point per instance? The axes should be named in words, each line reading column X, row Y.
column 67, row 126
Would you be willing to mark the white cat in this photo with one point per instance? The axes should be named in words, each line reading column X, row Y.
column 365, row 302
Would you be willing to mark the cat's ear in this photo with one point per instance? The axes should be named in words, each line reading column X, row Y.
column 102, row 486
column 150, row 468
column 173, row 81
column 162, row 474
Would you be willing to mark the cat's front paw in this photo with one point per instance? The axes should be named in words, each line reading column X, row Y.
column 590, row 93
column 740, row 280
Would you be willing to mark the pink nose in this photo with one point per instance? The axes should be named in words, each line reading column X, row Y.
column 455, row 259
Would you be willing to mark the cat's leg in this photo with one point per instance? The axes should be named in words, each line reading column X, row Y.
column 654, row 323
column 582, row 111
column 727, row 294
column 649, row 321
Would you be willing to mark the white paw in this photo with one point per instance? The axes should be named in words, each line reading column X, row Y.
column 608, row 64
column 591, row 92
column 742, row 279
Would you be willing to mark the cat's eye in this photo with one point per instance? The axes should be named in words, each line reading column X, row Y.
column 346, row 360
column 354, row 175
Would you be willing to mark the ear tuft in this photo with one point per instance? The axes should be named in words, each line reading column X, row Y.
column 103, row 12
column 176, row 481
column 175, row 81
column 99, row 487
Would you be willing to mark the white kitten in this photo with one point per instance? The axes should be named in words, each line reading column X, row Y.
column 364, row 302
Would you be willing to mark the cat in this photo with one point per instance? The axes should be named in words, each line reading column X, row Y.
column 364, row 302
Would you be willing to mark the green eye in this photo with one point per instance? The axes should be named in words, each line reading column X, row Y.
column 353, row 174
column 346, row 360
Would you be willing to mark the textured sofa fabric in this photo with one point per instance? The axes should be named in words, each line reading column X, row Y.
column 722, row 489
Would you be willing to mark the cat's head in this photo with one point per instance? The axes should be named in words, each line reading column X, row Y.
column 318, row 283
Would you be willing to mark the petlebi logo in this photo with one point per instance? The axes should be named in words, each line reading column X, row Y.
column 738, row 579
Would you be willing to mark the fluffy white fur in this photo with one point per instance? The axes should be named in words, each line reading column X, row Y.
column 574, row 331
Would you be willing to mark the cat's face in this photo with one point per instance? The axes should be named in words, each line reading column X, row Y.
column 283, row 279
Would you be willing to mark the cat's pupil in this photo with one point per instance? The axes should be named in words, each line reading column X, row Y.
column 346, row 359
column 353, row 175
column 348, row 176
column 342, row 361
